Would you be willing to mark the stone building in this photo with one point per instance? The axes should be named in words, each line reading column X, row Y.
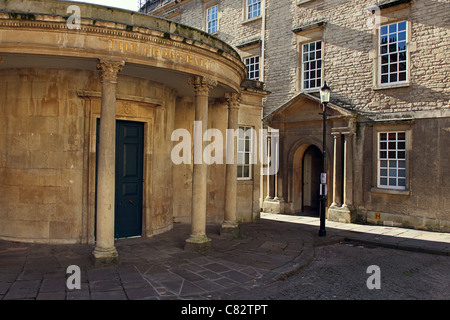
column 91, row 98
column 386, row 61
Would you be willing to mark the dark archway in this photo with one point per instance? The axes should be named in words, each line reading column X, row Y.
column 312, row 164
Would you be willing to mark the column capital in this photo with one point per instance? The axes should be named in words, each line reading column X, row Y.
column 202, row 85
column 109, row 69
column 233, row 100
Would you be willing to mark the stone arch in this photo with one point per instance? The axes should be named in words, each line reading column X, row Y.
column 295, row 170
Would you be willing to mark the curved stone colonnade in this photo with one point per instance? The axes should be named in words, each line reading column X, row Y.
column 58, row 173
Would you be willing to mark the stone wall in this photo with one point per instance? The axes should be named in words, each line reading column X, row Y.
column 247, row 190
column 350, row 67
column 424, row 203
column 48, row 152
column 349, row 48
column 41, row 153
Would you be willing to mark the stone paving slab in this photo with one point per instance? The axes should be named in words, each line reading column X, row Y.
column 159, row 268
column 392, row 237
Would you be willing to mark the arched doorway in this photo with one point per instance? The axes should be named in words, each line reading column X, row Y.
column 312, row 164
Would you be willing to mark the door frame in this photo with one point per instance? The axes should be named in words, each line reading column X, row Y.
column 136, row 111
column 309, row 151
column 116, row 200
column 295, row 171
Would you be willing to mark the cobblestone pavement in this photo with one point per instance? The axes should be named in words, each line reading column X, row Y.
column 339, row 271
column 252, row 266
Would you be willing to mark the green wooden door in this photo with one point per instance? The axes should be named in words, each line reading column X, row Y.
column 129, row 178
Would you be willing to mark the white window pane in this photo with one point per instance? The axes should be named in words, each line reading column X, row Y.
column 241, row 145
column 393, row 28
column 312, row 62
column 392, row 172
column 392, row 49
column 252, row 65
column 211, row 19
column 240, row 159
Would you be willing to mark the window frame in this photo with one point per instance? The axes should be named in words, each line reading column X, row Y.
column 257, row 70
column 303, row 62
column 216, row 20
column 382, row 53
column 249, row 9
column 388, row 159
column 244, row 129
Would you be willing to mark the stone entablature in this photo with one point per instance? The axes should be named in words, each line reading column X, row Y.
column 143, row 39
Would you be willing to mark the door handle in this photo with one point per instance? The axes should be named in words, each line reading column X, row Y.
column 130, row 201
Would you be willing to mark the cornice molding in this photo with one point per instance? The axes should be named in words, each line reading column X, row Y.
column 136, row 33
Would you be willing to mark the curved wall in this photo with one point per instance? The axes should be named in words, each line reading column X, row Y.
column 51, row 99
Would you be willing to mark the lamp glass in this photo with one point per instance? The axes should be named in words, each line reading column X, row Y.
column 325, row 92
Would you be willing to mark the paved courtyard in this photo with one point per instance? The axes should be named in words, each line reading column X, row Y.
column 277, row 248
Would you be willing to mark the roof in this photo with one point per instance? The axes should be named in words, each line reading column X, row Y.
column 334, row 104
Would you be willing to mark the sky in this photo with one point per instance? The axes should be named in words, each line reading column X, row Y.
column 123, row 4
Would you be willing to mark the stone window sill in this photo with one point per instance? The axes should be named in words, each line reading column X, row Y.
column 391, row 86
column 252, row 20
column 390, row 191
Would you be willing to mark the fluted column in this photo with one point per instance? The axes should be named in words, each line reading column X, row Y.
column 106, row 167
column 202, row 87
column 230, row 221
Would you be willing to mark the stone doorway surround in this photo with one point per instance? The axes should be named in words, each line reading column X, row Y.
column 300, row 126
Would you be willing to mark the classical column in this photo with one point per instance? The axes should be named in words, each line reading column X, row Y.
column 337, row 170
column 280, row 174
column 106, row 164
column 348, row 171
column 271, row 177
column 229, row 223
column 198, row 238
column 269, row 187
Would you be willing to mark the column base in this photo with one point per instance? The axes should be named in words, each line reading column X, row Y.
column 345, row 214
column 275, row 205
column 230, row 230
column 200, row 244
column 105, row 256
